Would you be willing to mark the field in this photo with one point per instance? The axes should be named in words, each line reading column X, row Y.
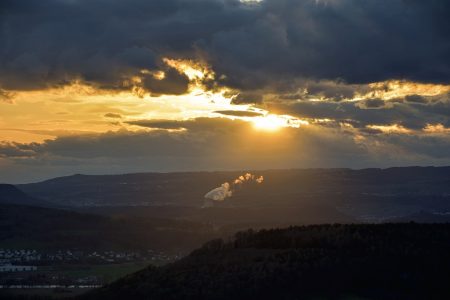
column 105, row 273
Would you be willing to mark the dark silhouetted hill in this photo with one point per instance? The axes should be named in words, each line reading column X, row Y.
column 26, row 227
column 9, row 194
column 387, row 261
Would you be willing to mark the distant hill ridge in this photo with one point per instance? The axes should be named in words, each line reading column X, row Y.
column 368, row 195
column 411, row 171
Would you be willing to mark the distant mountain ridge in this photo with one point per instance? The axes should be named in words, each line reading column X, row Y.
column 368, row 195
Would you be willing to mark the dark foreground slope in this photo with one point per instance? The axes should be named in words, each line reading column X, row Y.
column 389, row 261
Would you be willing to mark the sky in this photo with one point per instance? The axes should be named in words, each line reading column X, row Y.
column 120, row 86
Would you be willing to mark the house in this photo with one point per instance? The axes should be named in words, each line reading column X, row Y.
column 13, row 268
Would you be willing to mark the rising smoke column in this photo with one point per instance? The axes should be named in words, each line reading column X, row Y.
column 220, row 193
column 226, row 189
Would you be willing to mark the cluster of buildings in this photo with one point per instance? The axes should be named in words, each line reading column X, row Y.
column 9, row 260
column 15, row 268
column 119, row 256
column 14, row 255
column 21, row 269
column 14, row 260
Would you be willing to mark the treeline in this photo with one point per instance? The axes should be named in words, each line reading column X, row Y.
column 336, row 236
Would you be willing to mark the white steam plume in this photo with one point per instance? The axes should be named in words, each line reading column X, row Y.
column 220, row 193
column 226, row 190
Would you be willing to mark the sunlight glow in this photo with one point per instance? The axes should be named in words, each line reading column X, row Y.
column 270, row 123
column 82, row 109
column 273, row 122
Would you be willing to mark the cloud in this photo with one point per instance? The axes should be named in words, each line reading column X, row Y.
column 160, row 124
column 415, row 99
column 113, row 115
column 413, row 115
column 18, row 150
column 269, row 45
column 371, row 104
column 245, row 98
column 197, row 124
column 173, row 83
column 5, row 96
column 356, row 41
column 220, row 144
column 354, row 69
column 239, row 113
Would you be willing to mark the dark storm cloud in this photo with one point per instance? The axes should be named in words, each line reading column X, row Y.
column 371, row 103
column 173, row 83
column 415, row 99
column 247, row 98
column 334, row 90
column 411, row 115
column 328, row 90
column 104, row 43
column 268, row 45
column 357, row 41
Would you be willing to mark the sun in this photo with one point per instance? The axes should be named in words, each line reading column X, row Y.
column 269, row 122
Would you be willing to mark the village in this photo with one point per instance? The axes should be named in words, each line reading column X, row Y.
column 32, row 268
column 37, row 258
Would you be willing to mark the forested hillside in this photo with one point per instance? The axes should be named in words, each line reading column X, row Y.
column 389, row 261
